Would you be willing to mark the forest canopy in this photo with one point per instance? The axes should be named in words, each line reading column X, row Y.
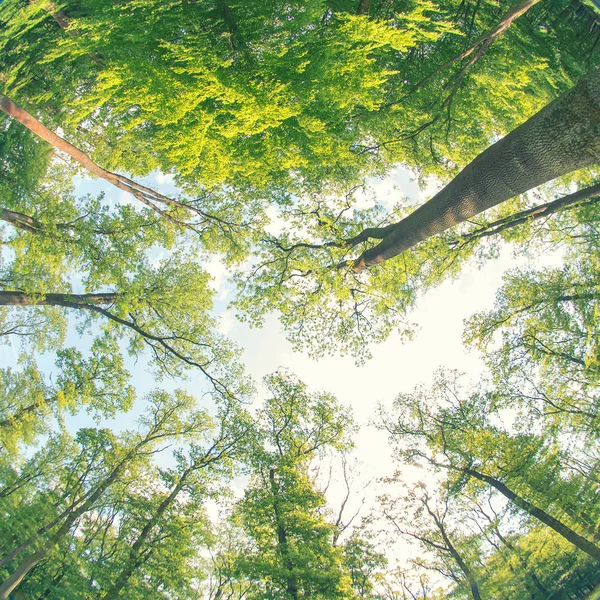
column 145, row 144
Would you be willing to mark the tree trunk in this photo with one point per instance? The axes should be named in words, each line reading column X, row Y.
column 8, row 298
column 134, row 560
column 15, row 578
column 563, row 137
column 20, row 221
column 142, row 193
column 455, row 555
column 282, row 543
column 560, row 528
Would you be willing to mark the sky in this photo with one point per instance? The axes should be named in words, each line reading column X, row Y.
column 396, row 366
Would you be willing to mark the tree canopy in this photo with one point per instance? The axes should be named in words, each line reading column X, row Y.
column 243, row 139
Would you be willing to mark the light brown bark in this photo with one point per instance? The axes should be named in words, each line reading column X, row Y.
column 563, row 137
column 8, row 298
column 146, row 195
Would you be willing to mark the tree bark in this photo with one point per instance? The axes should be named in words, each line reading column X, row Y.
column 560, row 528
column 20, row 221
column 563, row 137
column 8, row 298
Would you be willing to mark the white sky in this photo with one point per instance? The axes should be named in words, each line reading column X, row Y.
column 395, row 366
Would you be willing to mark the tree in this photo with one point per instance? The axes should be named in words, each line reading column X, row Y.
column 100, row 383
column 426, row 520
column 282, row 510
column 307, row 280
column 101, row 464
column 457, row 436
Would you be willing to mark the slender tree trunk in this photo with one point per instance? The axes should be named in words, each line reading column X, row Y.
column 24, row 411
column 560, row 528
column 15, row 578
column 570, row 202
column 563, row 137
column 455, row 554
column 133, row 560
column 282, row 543
column 8, row 298
column 462, row 564
column 527, row 571
column 479, row 47
column 142, row 193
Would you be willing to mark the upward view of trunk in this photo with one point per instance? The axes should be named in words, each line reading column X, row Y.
column 136, row 553
column 563, row 137
column 561, row 528
column 8, row 298
column 457, row 557
column 144, row 194
column 282, row 542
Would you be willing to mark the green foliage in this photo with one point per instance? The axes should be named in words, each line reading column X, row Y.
column 292, row 553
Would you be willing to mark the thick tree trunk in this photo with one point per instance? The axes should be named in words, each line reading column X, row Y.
column 563, row 137
column 560, row 528
column 20, row 221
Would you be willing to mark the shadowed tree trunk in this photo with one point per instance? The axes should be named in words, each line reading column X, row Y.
column 563, row 137
column 536, row 512
column 282, row 542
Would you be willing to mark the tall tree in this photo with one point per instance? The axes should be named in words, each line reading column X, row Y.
column 102, row 464
column 457, row 436
column 282, row 511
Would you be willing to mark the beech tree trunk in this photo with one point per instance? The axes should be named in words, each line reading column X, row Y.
column 563, row 137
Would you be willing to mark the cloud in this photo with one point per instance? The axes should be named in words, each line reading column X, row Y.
column 164, row 178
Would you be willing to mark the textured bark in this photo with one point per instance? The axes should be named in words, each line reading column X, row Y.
column 8, row 298
column 20, row 221
column 560, row 528
column 563, row 137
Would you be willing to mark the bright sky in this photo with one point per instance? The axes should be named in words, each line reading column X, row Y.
column 395, row 366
